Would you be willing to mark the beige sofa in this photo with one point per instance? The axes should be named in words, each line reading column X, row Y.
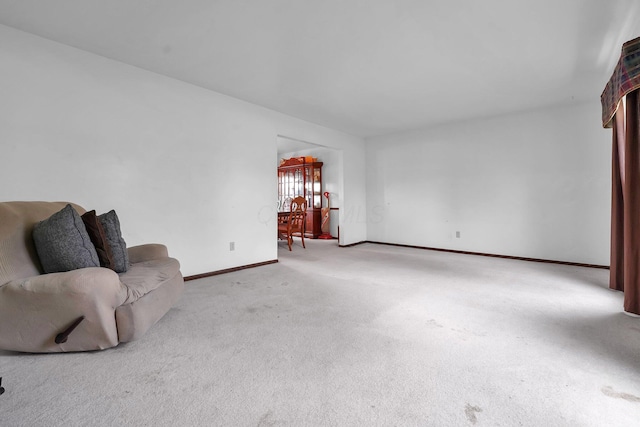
column 37, row 309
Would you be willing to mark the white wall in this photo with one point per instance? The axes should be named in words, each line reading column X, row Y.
column 181, row 165
column 535, row 184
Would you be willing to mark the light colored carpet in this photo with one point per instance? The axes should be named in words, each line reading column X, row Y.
column 370, row 335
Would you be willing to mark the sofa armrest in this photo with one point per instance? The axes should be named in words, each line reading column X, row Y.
column 34, row 310
column 147, row 252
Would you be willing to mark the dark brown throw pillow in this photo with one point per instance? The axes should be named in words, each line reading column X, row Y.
column 99, row 239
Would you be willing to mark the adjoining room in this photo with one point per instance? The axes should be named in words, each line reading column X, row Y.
column 319, row 213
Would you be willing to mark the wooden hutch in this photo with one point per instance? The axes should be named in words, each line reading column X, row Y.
column 301, row 176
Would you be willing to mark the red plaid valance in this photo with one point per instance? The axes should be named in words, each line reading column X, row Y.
column 625, row 79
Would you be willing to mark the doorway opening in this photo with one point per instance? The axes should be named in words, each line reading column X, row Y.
column 331, row 172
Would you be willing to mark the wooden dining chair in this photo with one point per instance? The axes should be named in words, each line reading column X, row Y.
column 294, row 224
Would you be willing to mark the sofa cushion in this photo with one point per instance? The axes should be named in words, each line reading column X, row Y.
column 143, row 277
column 62, row 242
column 99, row 239
column 111, row 225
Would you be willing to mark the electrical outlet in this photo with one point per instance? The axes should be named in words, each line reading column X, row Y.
column 232, row 246
column 457, row 234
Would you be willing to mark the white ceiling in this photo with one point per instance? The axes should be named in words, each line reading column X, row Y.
column 366, row 67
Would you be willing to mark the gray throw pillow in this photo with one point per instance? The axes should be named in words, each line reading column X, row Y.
column 99, row 240
column 111, row 225
column 63, row 244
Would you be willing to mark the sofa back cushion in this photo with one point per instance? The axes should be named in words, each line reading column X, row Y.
column 18, row 256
